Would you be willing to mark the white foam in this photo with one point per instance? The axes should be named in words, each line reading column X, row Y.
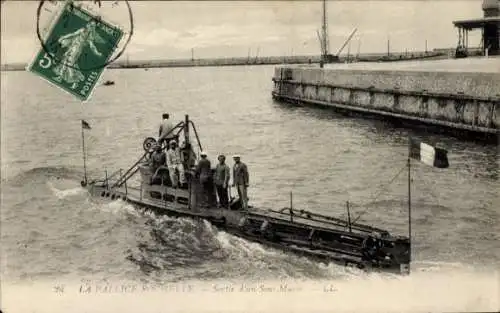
column 118, row 207
column 64, row 193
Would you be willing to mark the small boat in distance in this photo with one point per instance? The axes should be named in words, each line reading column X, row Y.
column 302, row 232
column 108, row 83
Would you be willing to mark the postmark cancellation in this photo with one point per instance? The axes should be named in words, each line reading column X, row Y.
column 76, row 50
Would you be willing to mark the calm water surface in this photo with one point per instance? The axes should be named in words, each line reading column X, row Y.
column 53, row 231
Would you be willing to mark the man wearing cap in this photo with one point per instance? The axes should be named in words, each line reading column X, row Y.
column 203, row 170
column 158, row 158
column 221, row 179
column 240, row 180
column 165, row 131
column 174, row 162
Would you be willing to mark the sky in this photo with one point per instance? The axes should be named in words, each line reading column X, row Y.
column 169, row 30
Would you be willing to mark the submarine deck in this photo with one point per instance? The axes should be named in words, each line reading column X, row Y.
column 329, row 224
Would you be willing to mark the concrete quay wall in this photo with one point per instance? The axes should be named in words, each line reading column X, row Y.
column 461, row 100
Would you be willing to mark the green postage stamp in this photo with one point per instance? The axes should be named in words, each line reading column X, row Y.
column 75, row 51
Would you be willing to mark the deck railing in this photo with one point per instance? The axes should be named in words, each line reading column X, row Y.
column 306, row 215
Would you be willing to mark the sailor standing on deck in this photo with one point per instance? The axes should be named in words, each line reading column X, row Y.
column 174, row 162
column 240, row 180
column 221, row 179
column 165, row 131
column 203, row 171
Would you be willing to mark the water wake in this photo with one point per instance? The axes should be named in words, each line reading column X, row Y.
column 64, row 193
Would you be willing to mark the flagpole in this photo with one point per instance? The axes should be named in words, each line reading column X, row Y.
column 409, row 204
column 84, row 182
column 427, row 154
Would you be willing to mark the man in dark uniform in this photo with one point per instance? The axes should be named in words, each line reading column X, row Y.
column 240, row 180
column 158, row 158
column 203, row 171
column 221, row 179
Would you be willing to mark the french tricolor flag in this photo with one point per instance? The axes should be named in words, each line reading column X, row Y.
column 428, row 154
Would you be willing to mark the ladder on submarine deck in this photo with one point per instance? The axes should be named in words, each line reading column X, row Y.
column 135, row 167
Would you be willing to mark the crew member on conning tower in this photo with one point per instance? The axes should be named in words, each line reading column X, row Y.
column 174, row 162
column 165, row 132
column 158, row 158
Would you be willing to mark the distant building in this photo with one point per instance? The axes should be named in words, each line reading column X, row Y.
column 489, row 25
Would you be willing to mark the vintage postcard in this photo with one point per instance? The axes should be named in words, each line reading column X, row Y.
column 250, row 156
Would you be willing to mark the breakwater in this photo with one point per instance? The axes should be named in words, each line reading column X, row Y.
column 461, row 100
column 261, row 60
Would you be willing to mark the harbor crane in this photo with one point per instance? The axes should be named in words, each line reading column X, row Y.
column 326, row 56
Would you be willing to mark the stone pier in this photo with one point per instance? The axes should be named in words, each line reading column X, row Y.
column 458, row 94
